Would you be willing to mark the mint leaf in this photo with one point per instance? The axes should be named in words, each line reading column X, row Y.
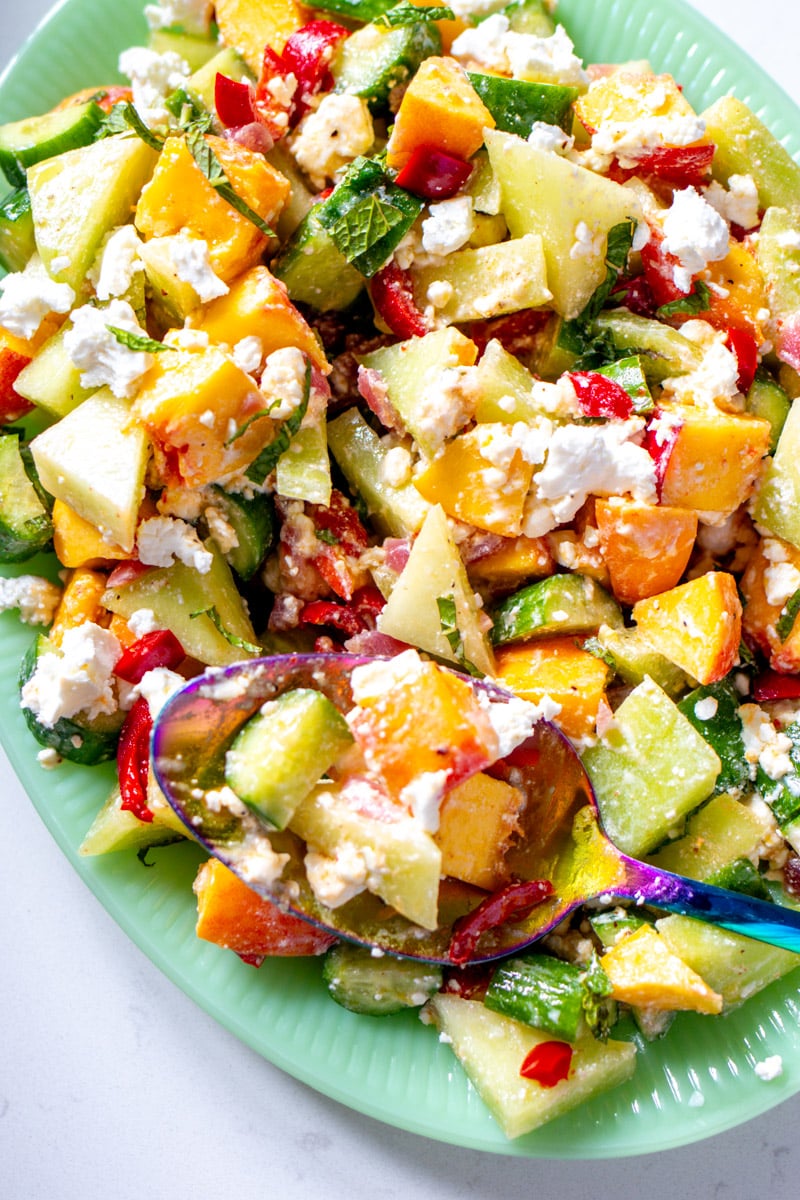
column 405, row 13
column 698, row 301
column 600, row 1011
column 267, row 460
column 123, row 118
column 629, row 374
column 448, row 620
column 367, row 216
column 239, row 643
column 787, row 617
column 214, row 172
column 136, row 341
column 363, row 225
column 243, row 428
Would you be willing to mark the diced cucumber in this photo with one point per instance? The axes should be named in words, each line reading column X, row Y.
column 720, row 833
column 737, row 967
column 357, row 10
column 768, row 400
column 516, row 104
column 193, row 48
column 25, row 525
column 300, row 198
column 360, row 453
column 81, row 195
column 777, row 505
column 541, row 991
column 741, row 876
column 611, row 926
column 722, row 730
column 252, row 520
column 373, row 61
column 17, row 243
column 744, row 146
column 559, row 604
column 23, row 143
column 530, row 16
column 115, row 828
column 175, row 594
column 77, row 738
column 633, row 658
column 51, row 380
column 304, row 469
column 282, row 752
column 106, row 486
column 377, row 987
column 488, row 281
column 491, row 1048
column 314, row 271
column 663, row 350
column 649, row 771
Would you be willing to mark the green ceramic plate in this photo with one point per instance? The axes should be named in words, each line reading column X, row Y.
column 394, row 1069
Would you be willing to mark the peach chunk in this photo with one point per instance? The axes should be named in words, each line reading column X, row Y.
column 697, row 625
column 771, row 562
column 440, row 108
column 644, row 971
column 560, row 668
column 646, row 546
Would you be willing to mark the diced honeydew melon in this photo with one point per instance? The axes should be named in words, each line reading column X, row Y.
column 116, row 828
column 737, row 967
column 719, row 833
column 176, row 594
column 434, row 572
column 491, row 1048
column 304, row 469
column 649, row 770
column 504, row 387
column 51, row 380
column 634, row 659
column 300, row 198
column 94, row 459
column 79, row 196
column 777, row 505
column 360, row 454
column 408, row 861
column 744, row 146
column 545, row 194
column 487, row 282
column 778, row 256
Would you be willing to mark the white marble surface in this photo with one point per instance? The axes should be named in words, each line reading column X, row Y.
column 114, row 1086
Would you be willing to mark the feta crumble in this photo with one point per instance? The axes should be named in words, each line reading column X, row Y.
column 117, row 263
column 28, row 296
column 494, row 45
column 161, row 540
column 153, row 76
column 97, row 354
column 48, row 758
column 192, row 264
column 771, row 1068
column 247, row 354
column 550, row 138
column 736, row 203
column 423, row 797
column 36, row 598
column 706, row 709
column 695, row 233
column 328, row 138
column 449, row 226
column 283, row 381
column 335, row 879
column 78, row 677
column 156, row 687
column 193, row 16
column 629, row 141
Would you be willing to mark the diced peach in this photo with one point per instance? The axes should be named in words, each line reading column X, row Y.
column 646, row 546
column 560, row 668
column 738, row 299
column 622, row 95
column 180, row 198
column 760, row 618
column 81, row 600
column 414, row 718
column 715, row 459
column 467, row 484
column 644, row 971
column 251, row 26
column 232, row 915
column 440, row 108
column 697, row 625
column 515, row 561
column 478, row 819
column 259, row 303
column 77, row 543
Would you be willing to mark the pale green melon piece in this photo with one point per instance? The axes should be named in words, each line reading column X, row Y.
column 94, row 460
column 778, row 502
column 491, row 1048
column 778, row 255
column 489, row 281
column 115, row 828
column 649, row 770
column 79, row 196
column 436, row 571
column 51, row 380
column 304, row 469
column 719, row 833
column 744, row 146
column 504, row 387
column 172, row 297
column 545, row 194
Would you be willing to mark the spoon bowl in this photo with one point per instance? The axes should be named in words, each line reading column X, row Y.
column 560, row 837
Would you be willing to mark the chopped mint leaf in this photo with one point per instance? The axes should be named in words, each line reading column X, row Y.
column 214, row 172
column 698, row 301
column 629, row 374
column 788, row 615
column 123, row 118
column 405, row 13
column 136, row 341
column 600, row 1011
column 596, row 647
column 267, row 460
column 367, row 216
column 239, row 643
column 448, row 619
column 243, row 428
column 620, row 240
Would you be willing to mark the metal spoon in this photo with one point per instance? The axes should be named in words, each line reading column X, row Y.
column 561, row 838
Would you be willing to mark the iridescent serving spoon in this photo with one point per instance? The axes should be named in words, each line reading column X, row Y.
column 561, row 838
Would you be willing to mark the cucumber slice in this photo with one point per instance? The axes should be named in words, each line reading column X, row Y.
column 633, row 658
column 558, row 604
column 314, row 271
column 768, row 400
column 17, row 243
column 77, row 739
column 530, row 16
column 722, row 730
column 253, row 522
column 51, row 380
column 540, row 991
column 357, row 10
column 741, row 876
column 516, row 104
column 373, row 61
column 25, row 525
column 663, row 350
column 283, row 751
column 378, row 987
column 777, row 505
column 115, row 828
column 611, row 926
column 23, row 143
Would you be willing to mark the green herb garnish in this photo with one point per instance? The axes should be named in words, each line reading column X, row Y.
column 267, row 460
column 405, row 13
column 698, row 301
column 239, row 643
column 136, row 341
column 448, row 620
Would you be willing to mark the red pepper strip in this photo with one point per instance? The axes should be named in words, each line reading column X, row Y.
column 126, row 572
column 433, row 174
column 772, row 685
column 508, row 904
column 272, row 106
column 307, row 55
column 659, row 269
column 683, row 166
column 157, row 649
column 133, row 760
column 599, row 396
column 338, row 616
column 659, row 442
column 548, row 1063
column 393, row 298
column 233, row 102
column 745, row 347
column 12, row 405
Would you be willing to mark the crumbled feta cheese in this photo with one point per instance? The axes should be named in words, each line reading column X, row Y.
column 153, row 76
column 161, row 540
column 781, row 581
column 336, row 879
column 475, row 8
column 78, row 677
column 512, row 720
column 587, row 244
column 187, row 339
column 328, row 138
column 28, row 296
column 371, row 681
column 157, row 686
column 738, row 203
column 447, row 403
column 629, row 141
column 717, row 376
column 49, row 759
column 494, row 45
column 223, row 797
column 143, row 621
column 117, row 263
column 706, row 708
column 695, row 233
column 97, row 354
column 594, row 460
column 261, row 865
column 36, row 598
column 283, row 381
column 395, row 467
column 764, row 745
column 423, row 798
column 449, row 226
column 771, row 1068
column 247, row 354
column 550, row 138
column 439, row 293
column 193, row 16
column 192, row 265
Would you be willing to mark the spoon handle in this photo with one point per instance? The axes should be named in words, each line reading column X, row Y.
column 731, row 910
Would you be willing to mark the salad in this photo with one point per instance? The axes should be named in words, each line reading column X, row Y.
column 401, row 331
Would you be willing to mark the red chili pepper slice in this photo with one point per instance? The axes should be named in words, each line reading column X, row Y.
column 599, row 396
column 548, row 1063
column 745, row 347
column 659, row 442
column 233, row 101
column 393, row 297
column 307, row 55
column 508, row 904
column 433, row 174
column 338, row 616
column 157, row 649
column 682, row 166
column 133, row 760
column 273, row 104
column 772, row 685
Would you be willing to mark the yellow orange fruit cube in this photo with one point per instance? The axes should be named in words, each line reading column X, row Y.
column 477, row 822
column 644, row 971
column 646, row 547
column 697, row 625
column 560, row 668
column 440, row 108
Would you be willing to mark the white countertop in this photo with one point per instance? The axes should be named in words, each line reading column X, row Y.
column 114, row 1086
